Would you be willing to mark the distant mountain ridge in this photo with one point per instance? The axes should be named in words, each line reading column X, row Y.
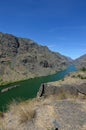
column 22, row 58
column 80, row 62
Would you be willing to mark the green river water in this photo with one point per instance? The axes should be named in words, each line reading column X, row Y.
column 29, row 88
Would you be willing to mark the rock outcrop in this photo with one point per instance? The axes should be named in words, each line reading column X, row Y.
column 22, row 58
column 73, row 85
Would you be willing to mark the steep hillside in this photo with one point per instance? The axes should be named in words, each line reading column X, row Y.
column 22, row 58
column 80, row 62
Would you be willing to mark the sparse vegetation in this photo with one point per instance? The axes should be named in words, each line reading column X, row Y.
column 22, row 115
column 63, row 79
column 25, row 110
column 38, row 112
column 62, row 95
column 81, row 76
column 1, row 114
column 73, row 76
column 83, row 69
column 26, row 114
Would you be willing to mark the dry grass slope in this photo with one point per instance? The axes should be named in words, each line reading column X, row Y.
column 45, row 114
column 35, row 114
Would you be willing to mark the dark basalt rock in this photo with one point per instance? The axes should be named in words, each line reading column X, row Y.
column 44, row 64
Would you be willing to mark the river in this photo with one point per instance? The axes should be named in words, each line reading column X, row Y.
column 28, row 88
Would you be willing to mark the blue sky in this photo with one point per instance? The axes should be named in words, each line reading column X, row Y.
column 59, row 24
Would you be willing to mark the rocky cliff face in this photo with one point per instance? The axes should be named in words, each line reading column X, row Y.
column 80, row 62
column 23, row 58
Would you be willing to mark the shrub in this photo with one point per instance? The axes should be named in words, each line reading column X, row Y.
column 1, row 114
column 83, row 69
column 26, row 114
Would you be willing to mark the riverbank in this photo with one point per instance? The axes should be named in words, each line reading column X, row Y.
column 73, row 84
column 62, row 108
column 2, row 83
column 29, row 88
